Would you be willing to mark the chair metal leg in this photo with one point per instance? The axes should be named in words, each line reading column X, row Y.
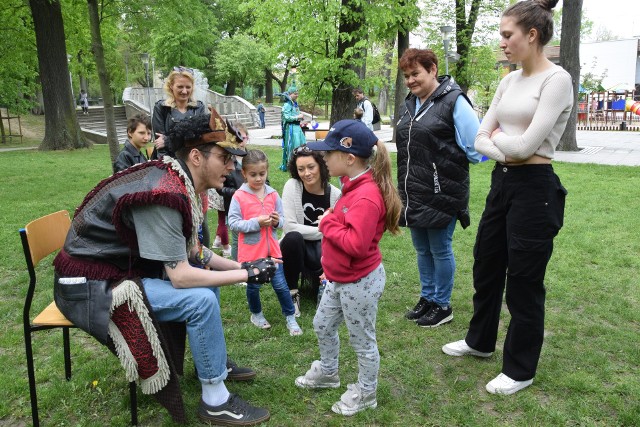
column 32, row 378
column 67, row 353
column 134, row 403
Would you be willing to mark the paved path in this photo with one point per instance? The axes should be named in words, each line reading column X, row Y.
column 599, row 147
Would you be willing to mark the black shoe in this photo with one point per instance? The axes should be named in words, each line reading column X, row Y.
column 435, row 317
column 421, row 308
column 234, row 412
column 236, row 373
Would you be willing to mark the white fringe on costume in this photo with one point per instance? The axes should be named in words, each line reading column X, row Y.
column 128, row 292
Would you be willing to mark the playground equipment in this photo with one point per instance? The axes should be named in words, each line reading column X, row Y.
column 632, row 106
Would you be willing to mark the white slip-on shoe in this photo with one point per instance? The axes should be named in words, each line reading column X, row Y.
column 460, row 348
column 502, row 384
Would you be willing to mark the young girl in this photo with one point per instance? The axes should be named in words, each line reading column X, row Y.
column 255, row 213
column 352, row 261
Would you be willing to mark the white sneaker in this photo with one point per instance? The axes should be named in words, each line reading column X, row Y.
column 315, row 378
column 217, row 243
column 460, row 348
column 292, row 325
column 502, row 384
column 354, row 400
column 260, row 321
column 226, row 252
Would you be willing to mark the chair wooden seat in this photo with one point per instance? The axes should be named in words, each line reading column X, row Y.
column 51, row 316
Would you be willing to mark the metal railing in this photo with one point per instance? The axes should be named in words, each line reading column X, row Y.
column 139, row 99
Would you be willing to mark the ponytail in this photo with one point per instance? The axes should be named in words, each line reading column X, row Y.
column 381, row 169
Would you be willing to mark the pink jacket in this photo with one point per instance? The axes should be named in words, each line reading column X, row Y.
column 254, row 241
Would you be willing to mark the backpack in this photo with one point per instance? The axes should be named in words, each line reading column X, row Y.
column 376, row 113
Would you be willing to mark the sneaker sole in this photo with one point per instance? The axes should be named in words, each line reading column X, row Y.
column 493, row 390
column 350, row 412
column 442, row 322
column 302, row 383
column 241, row 377
column 456, row 353
column 232, row 423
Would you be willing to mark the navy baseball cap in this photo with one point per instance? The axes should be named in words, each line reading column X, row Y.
column 349, row 136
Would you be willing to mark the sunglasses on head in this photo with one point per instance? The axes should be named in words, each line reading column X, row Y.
column 303, row 149
column 183, row 69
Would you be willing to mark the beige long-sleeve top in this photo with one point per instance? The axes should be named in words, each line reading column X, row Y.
column 531, row 112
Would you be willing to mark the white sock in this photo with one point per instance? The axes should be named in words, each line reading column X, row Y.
column 215, row 394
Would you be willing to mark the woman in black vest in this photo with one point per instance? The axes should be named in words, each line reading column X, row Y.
column 435, row 136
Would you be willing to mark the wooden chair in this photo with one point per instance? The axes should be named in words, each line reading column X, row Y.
column 41, row 238
column 321, row 134
column 149, row 150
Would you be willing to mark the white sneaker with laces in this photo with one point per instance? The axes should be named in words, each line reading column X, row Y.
column 354, row 400
column 260, row 321
column 460, row 348
column 502, row 384
column 292, row 325
column 226, row 252
column 315, row 378
column 217, row 243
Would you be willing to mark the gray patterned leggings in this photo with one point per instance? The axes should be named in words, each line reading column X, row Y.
column 356, row 304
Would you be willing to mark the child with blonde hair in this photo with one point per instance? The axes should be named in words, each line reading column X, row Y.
column 351, row 260
column 255, row 213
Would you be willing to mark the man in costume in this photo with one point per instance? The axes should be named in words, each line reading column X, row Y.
column 145, row 222
column 292, row 135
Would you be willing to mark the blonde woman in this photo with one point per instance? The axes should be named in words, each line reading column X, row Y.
column 178, row 105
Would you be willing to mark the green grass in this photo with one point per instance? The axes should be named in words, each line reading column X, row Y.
column 588, row 373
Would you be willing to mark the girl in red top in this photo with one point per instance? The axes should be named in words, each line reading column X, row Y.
column 351, row 260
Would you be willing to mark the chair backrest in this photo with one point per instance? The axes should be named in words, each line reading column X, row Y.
column 45, row 235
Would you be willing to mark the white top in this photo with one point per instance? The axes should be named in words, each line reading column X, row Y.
column 531, row 112
column 294, row 213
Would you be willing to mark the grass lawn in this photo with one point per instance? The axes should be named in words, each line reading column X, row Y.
column 588, row 373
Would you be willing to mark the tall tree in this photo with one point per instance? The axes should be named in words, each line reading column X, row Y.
column 103, row 76
column 351, row 35
column 61, row 123
column 570, row 61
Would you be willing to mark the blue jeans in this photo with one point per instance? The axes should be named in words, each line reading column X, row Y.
column 199, row 308
column 279, row 284
column 436, row 264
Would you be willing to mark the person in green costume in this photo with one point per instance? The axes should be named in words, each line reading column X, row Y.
column 292, row 135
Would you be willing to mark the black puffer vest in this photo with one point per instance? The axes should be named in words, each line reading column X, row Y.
column 433, row 171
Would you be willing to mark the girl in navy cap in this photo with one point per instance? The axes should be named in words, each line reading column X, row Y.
column 352, row 261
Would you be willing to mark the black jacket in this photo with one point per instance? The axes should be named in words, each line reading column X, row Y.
column 165, row 117
column 433, row 171
column 129, row 156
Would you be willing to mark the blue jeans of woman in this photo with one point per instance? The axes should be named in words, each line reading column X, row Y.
column 199, row 308
column 280, row 287
column 436, row 263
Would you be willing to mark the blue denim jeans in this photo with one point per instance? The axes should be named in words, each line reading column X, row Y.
column 436, row 263
column 199, row 308
column 279, row 284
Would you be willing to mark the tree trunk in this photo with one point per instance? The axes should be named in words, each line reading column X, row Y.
column 352, row 28
column 103, row 76
column 268, row 87
column 464, row 35
column 403, row 44
column 61, row 129
column 383, row 100
column 570, row 61
column 231, row 88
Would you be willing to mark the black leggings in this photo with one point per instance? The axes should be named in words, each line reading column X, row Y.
column 298, row 259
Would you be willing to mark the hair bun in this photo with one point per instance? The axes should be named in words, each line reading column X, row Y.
column 547, row 4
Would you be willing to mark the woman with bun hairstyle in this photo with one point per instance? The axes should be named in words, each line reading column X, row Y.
column 525, row 207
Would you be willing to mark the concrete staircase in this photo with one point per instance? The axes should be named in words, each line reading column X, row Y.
column 94, row 126
column 272, row 116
